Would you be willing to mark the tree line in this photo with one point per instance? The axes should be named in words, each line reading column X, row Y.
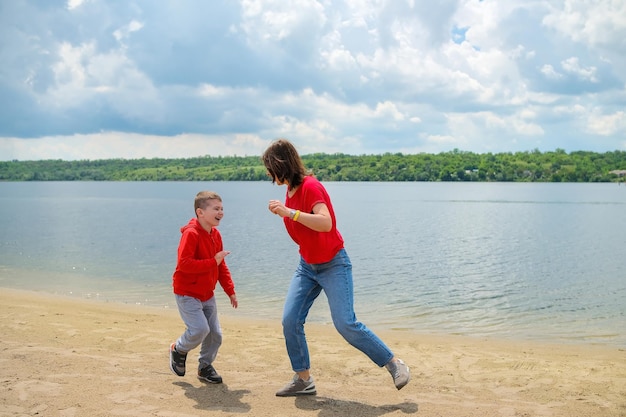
column 456, row 165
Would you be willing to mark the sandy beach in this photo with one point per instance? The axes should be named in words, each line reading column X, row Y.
column 71, row 357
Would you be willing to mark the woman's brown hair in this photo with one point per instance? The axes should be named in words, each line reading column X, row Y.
column 283, row 163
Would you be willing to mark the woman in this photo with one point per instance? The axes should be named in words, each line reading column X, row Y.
column 324, row 265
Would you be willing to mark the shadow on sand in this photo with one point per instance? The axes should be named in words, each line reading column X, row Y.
column 330, row 407
column 216, row 397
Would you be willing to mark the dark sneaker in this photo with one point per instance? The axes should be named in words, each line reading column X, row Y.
column 209, row 374
column 298, row 386
column 177, row 361
column 400, row 373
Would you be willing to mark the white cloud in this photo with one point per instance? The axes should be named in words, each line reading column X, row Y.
column 607, row 124
column 354, row 76
column 496, row 131
column 123, row 33
column 549, row 71
column 74, row 4
column 388, row 110
column 278, row 20
column 572, row 65
column 594, row 23
column 130, row 146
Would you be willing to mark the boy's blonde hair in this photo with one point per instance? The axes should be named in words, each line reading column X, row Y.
column 203, row 198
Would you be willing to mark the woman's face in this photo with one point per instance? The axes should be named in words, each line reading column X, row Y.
column 275, row 179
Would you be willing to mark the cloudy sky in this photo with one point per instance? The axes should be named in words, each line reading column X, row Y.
column 98, row 79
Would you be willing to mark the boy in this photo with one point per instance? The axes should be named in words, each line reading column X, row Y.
column 200, row 266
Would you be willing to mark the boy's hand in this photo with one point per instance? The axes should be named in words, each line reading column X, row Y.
column 219, row 256
column 233, row 301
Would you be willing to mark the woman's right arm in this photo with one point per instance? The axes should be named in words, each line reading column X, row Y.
column 320, row 220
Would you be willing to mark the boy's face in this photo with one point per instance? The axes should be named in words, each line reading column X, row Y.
column 211, row 215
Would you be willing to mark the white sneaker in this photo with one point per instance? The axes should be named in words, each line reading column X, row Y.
column 298, row 386
column 400, row 373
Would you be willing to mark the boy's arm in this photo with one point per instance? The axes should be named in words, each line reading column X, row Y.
column 225, row 279
column 226, row 282
column 233, row 301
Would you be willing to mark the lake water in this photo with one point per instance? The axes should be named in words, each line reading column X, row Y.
column 510, row 260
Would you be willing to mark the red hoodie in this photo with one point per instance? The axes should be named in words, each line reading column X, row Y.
column 197, row 272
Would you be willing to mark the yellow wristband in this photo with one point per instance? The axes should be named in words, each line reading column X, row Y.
column 295, row 216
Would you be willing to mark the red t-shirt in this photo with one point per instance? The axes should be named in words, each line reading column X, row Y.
column 315, row 247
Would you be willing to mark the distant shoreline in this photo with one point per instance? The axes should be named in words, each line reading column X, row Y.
column 454, row 166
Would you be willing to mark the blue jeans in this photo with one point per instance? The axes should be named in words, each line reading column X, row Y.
column 335, row 278
column 203, row 327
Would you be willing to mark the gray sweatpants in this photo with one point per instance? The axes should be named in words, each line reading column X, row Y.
column 203, row 327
